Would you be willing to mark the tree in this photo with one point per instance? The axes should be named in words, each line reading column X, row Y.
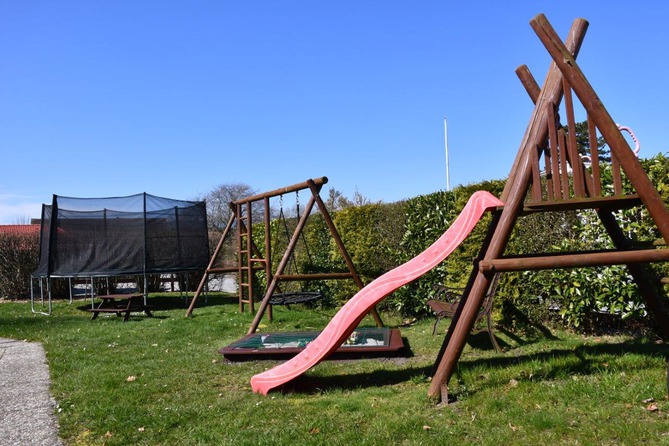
column 583, row 142
column 23, row 220
column 218, row 203
column 336, row 200
column 361, row 200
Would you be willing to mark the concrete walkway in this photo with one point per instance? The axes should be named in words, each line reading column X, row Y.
column 26, row 407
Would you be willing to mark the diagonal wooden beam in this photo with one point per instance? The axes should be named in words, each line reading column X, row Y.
column 620, row 149
column 533, row 90
column 553, row 85
column 646, row 281
column 212, row 260
column 513, row 196
column 271, row 287
column 341, row 247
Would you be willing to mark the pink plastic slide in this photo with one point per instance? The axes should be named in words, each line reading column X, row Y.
column 347, row 319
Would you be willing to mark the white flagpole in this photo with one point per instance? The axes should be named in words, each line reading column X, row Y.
column 448, row 177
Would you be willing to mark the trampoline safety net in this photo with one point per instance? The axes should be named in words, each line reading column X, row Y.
column 138, row 234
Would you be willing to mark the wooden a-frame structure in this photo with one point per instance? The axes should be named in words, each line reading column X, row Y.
column 250, row 259
column 567, row 185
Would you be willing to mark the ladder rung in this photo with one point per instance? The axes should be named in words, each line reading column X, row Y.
column 258, row 260
column 221, row 270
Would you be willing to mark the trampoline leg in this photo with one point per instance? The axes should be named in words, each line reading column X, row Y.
column 32, row 299
column 146, row 288
column 32, row 295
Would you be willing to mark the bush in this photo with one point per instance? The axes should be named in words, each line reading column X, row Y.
column 527, row 295
column 371, row 234
column 581, row 297
column 19, row 257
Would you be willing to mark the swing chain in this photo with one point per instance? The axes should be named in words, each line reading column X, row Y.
column 297, row 203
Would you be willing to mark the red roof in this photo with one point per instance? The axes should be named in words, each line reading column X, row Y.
column 19, row 229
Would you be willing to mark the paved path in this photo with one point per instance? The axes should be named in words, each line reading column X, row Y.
column 26, row 406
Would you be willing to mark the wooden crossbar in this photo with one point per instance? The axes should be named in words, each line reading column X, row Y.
column 574, row 260
column 313, row 276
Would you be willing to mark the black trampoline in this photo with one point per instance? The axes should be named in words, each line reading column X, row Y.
column 137, row 235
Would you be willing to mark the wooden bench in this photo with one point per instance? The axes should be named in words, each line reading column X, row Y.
column 449, row 299
column 121, row 304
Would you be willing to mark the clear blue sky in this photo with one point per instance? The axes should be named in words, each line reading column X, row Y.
column 174, row 98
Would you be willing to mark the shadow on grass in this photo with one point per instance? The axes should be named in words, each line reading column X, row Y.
column 378, row 378
column 534, row 332
column 584, row 357
column 166, row 302
column 34, row 323
column 174, row 301
column 582, row 360
column 521, row 320
column 481, row 340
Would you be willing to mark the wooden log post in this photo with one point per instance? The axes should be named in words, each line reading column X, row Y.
column 512, row 196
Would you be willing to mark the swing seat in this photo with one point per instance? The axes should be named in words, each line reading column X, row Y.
column 300, row 297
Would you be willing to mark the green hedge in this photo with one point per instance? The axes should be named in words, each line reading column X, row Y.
column 19, row 257
column 380, row 237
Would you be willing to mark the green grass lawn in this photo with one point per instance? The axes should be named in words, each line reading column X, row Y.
column 161, row 381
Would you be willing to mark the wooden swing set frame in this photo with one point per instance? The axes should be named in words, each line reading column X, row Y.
column 562, row 183
column 251, row 260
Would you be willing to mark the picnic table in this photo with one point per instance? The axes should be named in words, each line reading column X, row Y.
column 120, row 304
